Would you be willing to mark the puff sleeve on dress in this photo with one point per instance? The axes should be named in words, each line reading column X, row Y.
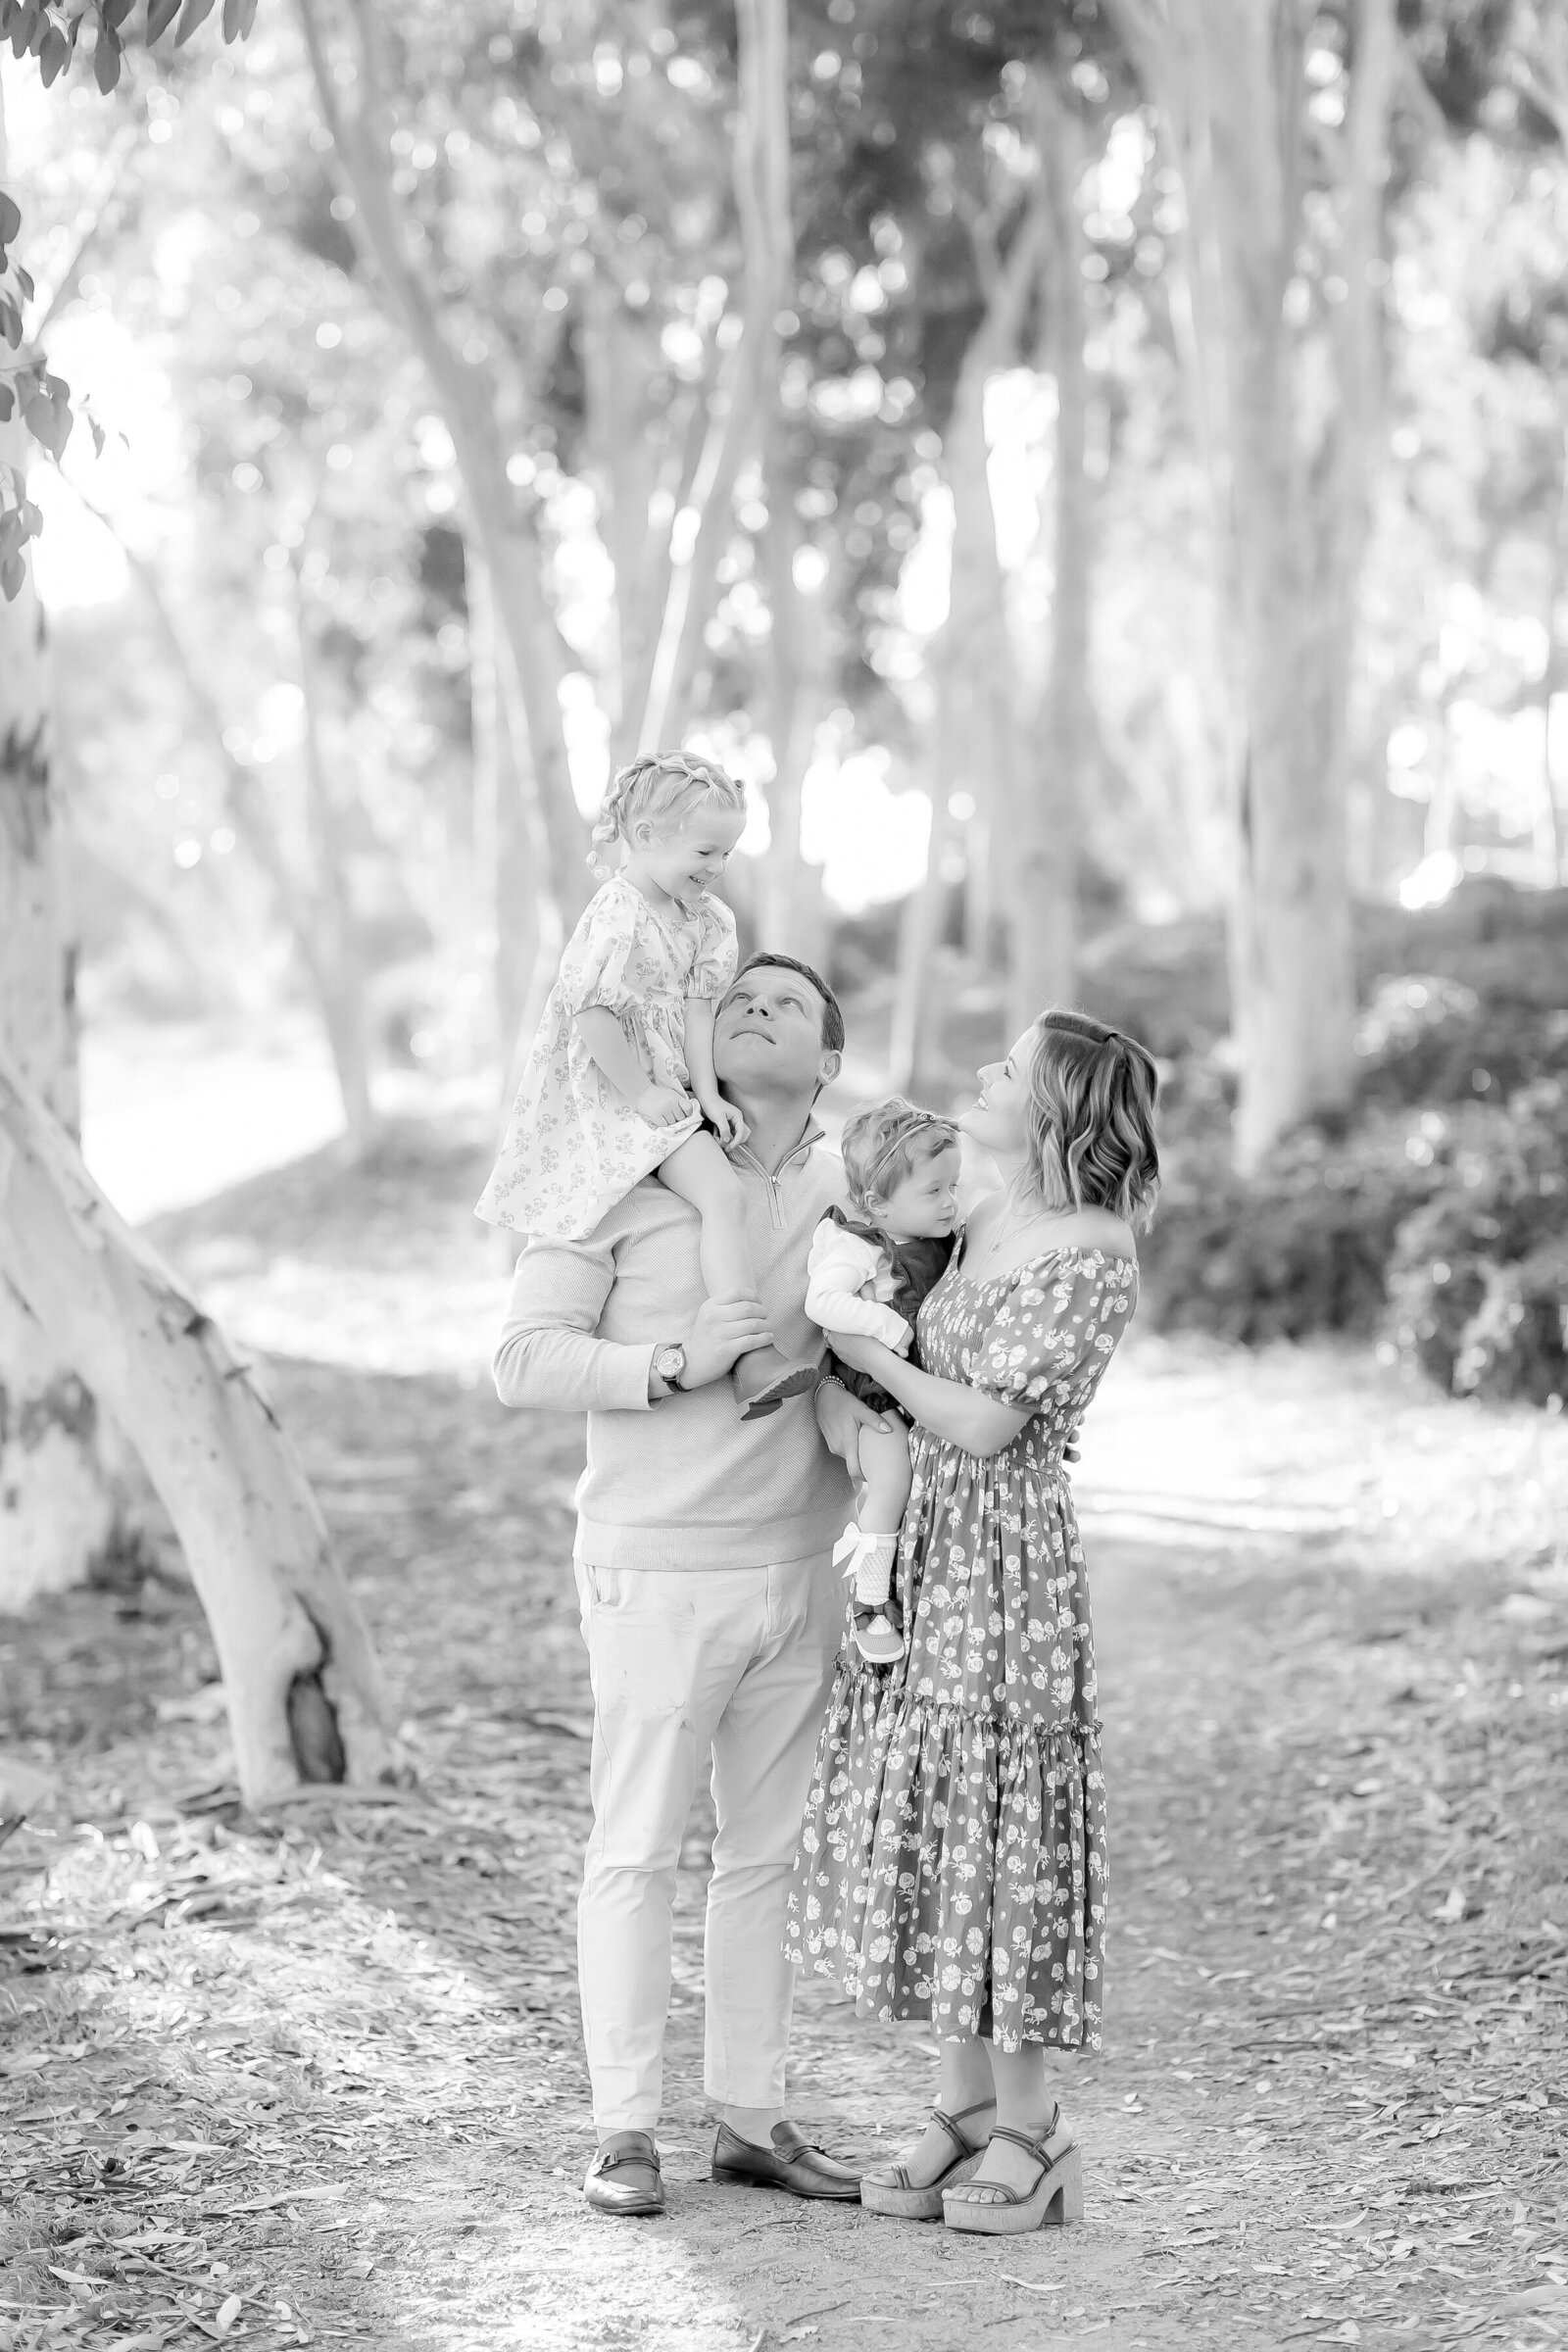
column 593, row 970
column 1053, row 1322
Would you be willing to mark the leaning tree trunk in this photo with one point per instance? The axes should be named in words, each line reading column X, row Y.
column 58, row 1507
column 304, row 1697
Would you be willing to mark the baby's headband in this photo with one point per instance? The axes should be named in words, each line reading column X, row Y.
column 915, row 1125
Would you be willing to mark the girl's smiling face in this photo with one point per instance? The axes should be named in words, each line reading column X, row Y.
column 686, row 862
column 999, row 1122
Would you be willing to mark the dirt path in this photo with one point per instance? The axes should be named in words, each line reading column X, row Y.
column 317, row 2079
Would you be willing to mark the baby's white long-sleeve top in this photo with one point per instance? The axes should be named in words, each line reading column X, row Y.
column 841, row 1270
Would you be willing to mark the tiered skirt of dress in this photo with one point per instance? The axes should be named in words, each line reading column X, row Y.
column 952, row 1863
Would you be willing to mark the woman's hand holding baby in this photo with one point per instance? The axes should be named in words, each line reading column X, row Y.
column 841, row 1417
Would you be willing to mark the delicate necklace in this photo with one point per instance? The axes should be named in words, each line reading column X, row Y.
column 1013, row 1218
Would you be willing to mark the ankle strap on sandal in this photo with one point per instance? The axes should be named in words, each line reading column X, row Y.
column 1034, row 2142
column 950, row 2123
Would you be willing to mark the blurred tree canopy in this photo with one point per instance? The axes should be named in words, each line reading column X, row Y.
column 1139, row 485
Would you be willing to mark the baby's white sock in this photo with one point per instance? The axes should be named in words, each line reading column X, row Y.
column 873, row 1570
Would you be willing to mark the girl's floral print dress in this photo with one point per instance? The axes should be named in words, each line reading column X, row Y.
column 575, row 1145
column 952, row 1862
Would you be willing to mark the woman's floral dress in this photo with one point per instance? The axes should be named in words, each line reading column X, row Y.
column 575, row 1145
column 952, row 1862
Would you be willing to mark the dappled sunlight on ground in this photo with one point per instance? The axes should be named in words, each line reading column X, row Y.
column 1198, row 1445
column 329, row 2064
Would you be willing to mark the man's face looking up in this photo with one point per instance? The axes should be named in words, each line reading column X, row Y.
column 767, row 1036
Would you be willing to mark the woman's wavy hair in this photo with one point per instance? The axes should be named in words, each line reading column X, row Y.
column 888, row 1141
column 1092, row 1094
column 663, row 787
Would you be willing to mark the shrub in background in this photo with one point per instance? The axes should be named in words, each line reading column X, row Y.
column 1302, row 1247
column 1446, row 1231
column 1425, row 1038
column 1478, row 1278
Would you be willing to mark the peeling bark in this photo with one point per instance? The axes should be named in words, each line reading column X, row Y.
column 304, row 1692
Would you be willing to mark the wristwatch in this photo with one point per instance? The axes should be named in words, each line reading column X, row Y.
column 668, row 1365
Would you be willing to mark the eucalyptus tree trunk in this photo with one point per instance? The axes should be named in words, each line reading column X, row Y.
column 912, row 1042
column 327, row 929
column 316, row 908
column 304, row 1697
column 790, row 896
column 58, row 1506
column 355, row 108
column 1291, row 982
column 1294, row 473
column 1044, row 932
column 976, row 740
column 518, row 920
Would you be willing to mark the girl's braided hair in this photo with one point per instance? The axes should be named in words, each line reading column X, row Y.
column 662, row 786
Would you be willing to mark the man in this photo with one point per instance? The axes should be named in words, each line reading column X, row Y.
column 710, row 1604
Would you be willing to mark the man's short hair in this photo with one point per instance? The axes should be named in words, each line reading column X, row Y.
column 832, row 1010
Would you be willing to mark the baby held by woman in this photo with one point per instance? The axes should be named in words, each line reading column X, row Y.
column 868, row 1272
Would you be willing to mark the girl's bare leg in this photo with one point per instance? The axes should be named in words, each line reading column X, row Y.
column 885, row 1461
column 700, row 1174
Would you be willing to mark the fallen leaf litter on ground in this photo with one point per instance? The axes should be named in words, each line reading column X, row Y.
column 317, row 2077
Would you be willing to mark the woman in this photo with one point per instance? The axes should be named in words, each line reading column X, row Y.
column 953, row 1858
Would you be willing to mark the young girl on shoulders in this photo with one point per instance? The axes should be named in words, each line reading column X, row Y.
column 620, row 1084
column 868, row 1272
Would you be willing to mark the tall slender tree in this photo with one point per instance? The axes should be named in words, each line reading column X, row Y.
column 1291, row 479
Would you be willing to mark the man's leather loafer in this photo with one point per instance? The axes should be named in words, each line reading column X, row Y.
column 623, row 2177
column 791, row 2162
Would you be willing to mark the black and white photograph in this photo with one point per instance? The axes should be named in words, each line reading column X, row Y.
column 783, row 1175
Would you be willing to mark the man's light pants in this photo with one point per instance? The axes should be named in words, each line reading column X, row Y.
column 735, row 1662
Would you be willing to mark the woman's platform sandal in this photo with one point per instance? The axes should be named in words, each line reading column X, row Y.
column 993, row 2210
column 890, row 2189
